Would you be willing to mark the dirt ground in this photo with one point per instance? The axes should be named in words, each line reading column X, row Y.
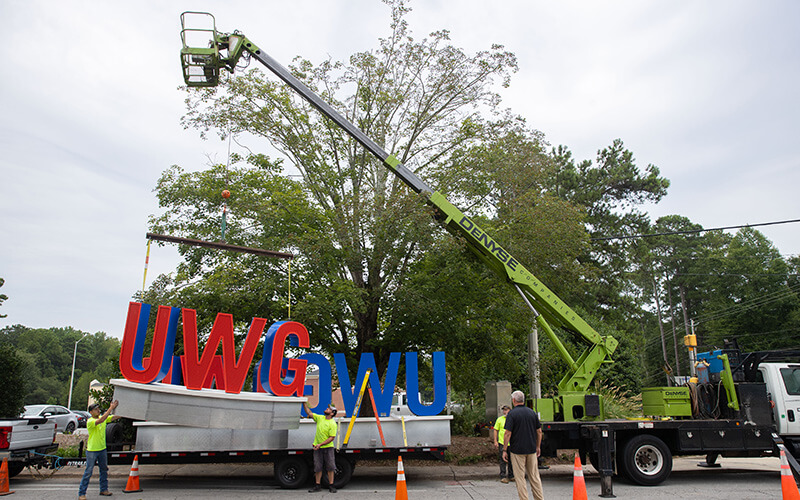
column 474, row 450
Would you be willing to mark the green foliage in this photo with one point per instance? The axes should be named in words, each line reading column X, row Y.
column 13, row 380
column 620, row 403
column 103, row 396
column 67, row 452
column 353, row 227
column 469, row 421
column 732, row 287
column 47, row 357
column 756, row 299
column 3, row 297
column 610, row 190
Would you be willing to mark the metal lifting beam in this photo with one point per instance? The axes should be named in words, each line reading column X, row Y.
column 218, row 246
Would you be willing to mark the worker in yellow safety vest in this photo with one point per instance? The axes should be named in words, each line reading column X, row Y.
column 324, row 457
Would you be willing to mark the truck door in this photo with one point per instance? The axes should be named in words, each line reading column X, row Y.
column 790, row 376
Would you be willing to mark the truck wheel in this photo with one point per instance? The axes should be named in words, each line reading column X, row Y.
column 114, row 436
column 15, row 468
column 646, row 460
column 291, row 472
column 343, row 474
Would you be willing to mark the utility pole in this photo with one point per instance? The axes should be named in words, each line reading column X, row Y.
column 661, row 328
column 674, row 335
column 533, row 363
column 72, row 377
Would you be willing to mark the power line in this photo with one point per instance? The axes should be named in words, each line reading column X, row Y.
column 735, row 274
column 691, row 231
column 733, row 309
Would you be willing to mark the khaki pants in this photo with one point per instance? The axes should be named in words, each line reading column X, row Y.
column 527, row 466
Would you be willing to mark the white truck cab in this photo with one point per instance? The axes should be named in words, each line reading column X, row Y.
column 783, row 390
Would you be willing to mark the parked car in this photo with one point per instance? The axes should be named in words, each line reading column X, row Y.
column 66, row 421
column 83, row 416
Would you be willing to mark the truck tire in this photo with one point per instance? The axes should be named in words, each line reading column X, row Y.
column 291, row 472
column 15, row 468
column 114, row 436
column 645, row 460
column 343, row 474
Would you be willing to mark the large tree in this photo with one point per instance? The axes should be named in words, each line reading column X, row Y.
column 13, row 380
column 359, row 227
column 611, row 189
column 756, row 299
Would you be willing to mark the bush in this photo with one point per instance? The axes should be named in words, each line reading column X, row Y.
column 469, row 421
column 68, row 452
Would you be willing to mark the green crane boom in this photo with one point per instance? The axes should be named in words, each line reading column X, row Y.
column 201, row 68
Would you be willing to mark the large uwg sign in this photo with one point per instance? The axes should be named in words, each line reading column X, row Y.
column 274, row 374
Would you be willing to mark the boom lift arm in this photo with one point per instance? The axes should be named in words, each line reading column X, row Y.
column 201, row 68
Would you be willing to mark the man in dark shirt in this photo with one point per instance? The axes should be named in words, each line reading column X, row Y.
column 524, row 440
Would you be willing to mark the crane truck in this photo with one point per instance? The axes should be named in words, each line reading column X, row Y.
column 745, row 408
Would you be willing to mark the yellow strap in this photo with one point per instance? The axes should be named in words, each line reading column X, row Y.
column 403, row 421
column 146, row 263
column 358, row 406
column 290, row 290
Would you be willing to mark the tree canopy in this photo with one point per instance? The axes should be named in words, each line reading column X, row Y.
column 46, row 356
column 3, row 297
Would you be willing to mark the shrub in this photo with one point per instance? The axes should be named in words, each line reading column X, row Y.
column 469, row 421
column 618, row 403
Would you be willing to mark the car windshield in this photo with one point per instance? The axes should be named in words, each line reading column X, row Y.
column 33, row 410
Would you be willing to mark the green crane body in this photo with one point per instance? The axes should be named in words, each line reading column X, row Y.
column 201, row 68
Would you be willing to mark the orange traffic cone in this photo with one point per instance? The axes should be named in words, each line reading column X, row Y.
column 788, row 486
column 133, row 477
column 402, row 492
column 578, row 484
column 4, row 479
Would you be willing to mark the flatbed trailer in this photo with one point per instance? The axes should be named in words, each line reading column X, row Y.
column 293, row 467
column 290, row 450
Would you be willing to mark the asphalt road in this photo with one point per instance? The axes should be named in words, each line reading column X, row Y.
column 745, row 479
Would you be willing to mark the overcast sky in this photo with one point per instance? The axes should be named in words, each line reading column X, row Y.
column 707, row 91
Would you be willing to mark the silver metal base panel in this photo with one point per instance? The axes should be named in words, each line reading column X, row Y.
column 420, row 431
column 159, row 437
column 206, row 408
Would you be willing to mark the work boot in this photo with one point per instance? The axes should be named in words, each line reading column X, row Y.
column 511, row 478
column 106, row 493
column 315, row 489
column 504, row 480
column 332, row 489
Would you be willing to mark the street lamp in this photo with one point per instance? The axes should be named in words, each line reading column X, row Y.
column 72, row 377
